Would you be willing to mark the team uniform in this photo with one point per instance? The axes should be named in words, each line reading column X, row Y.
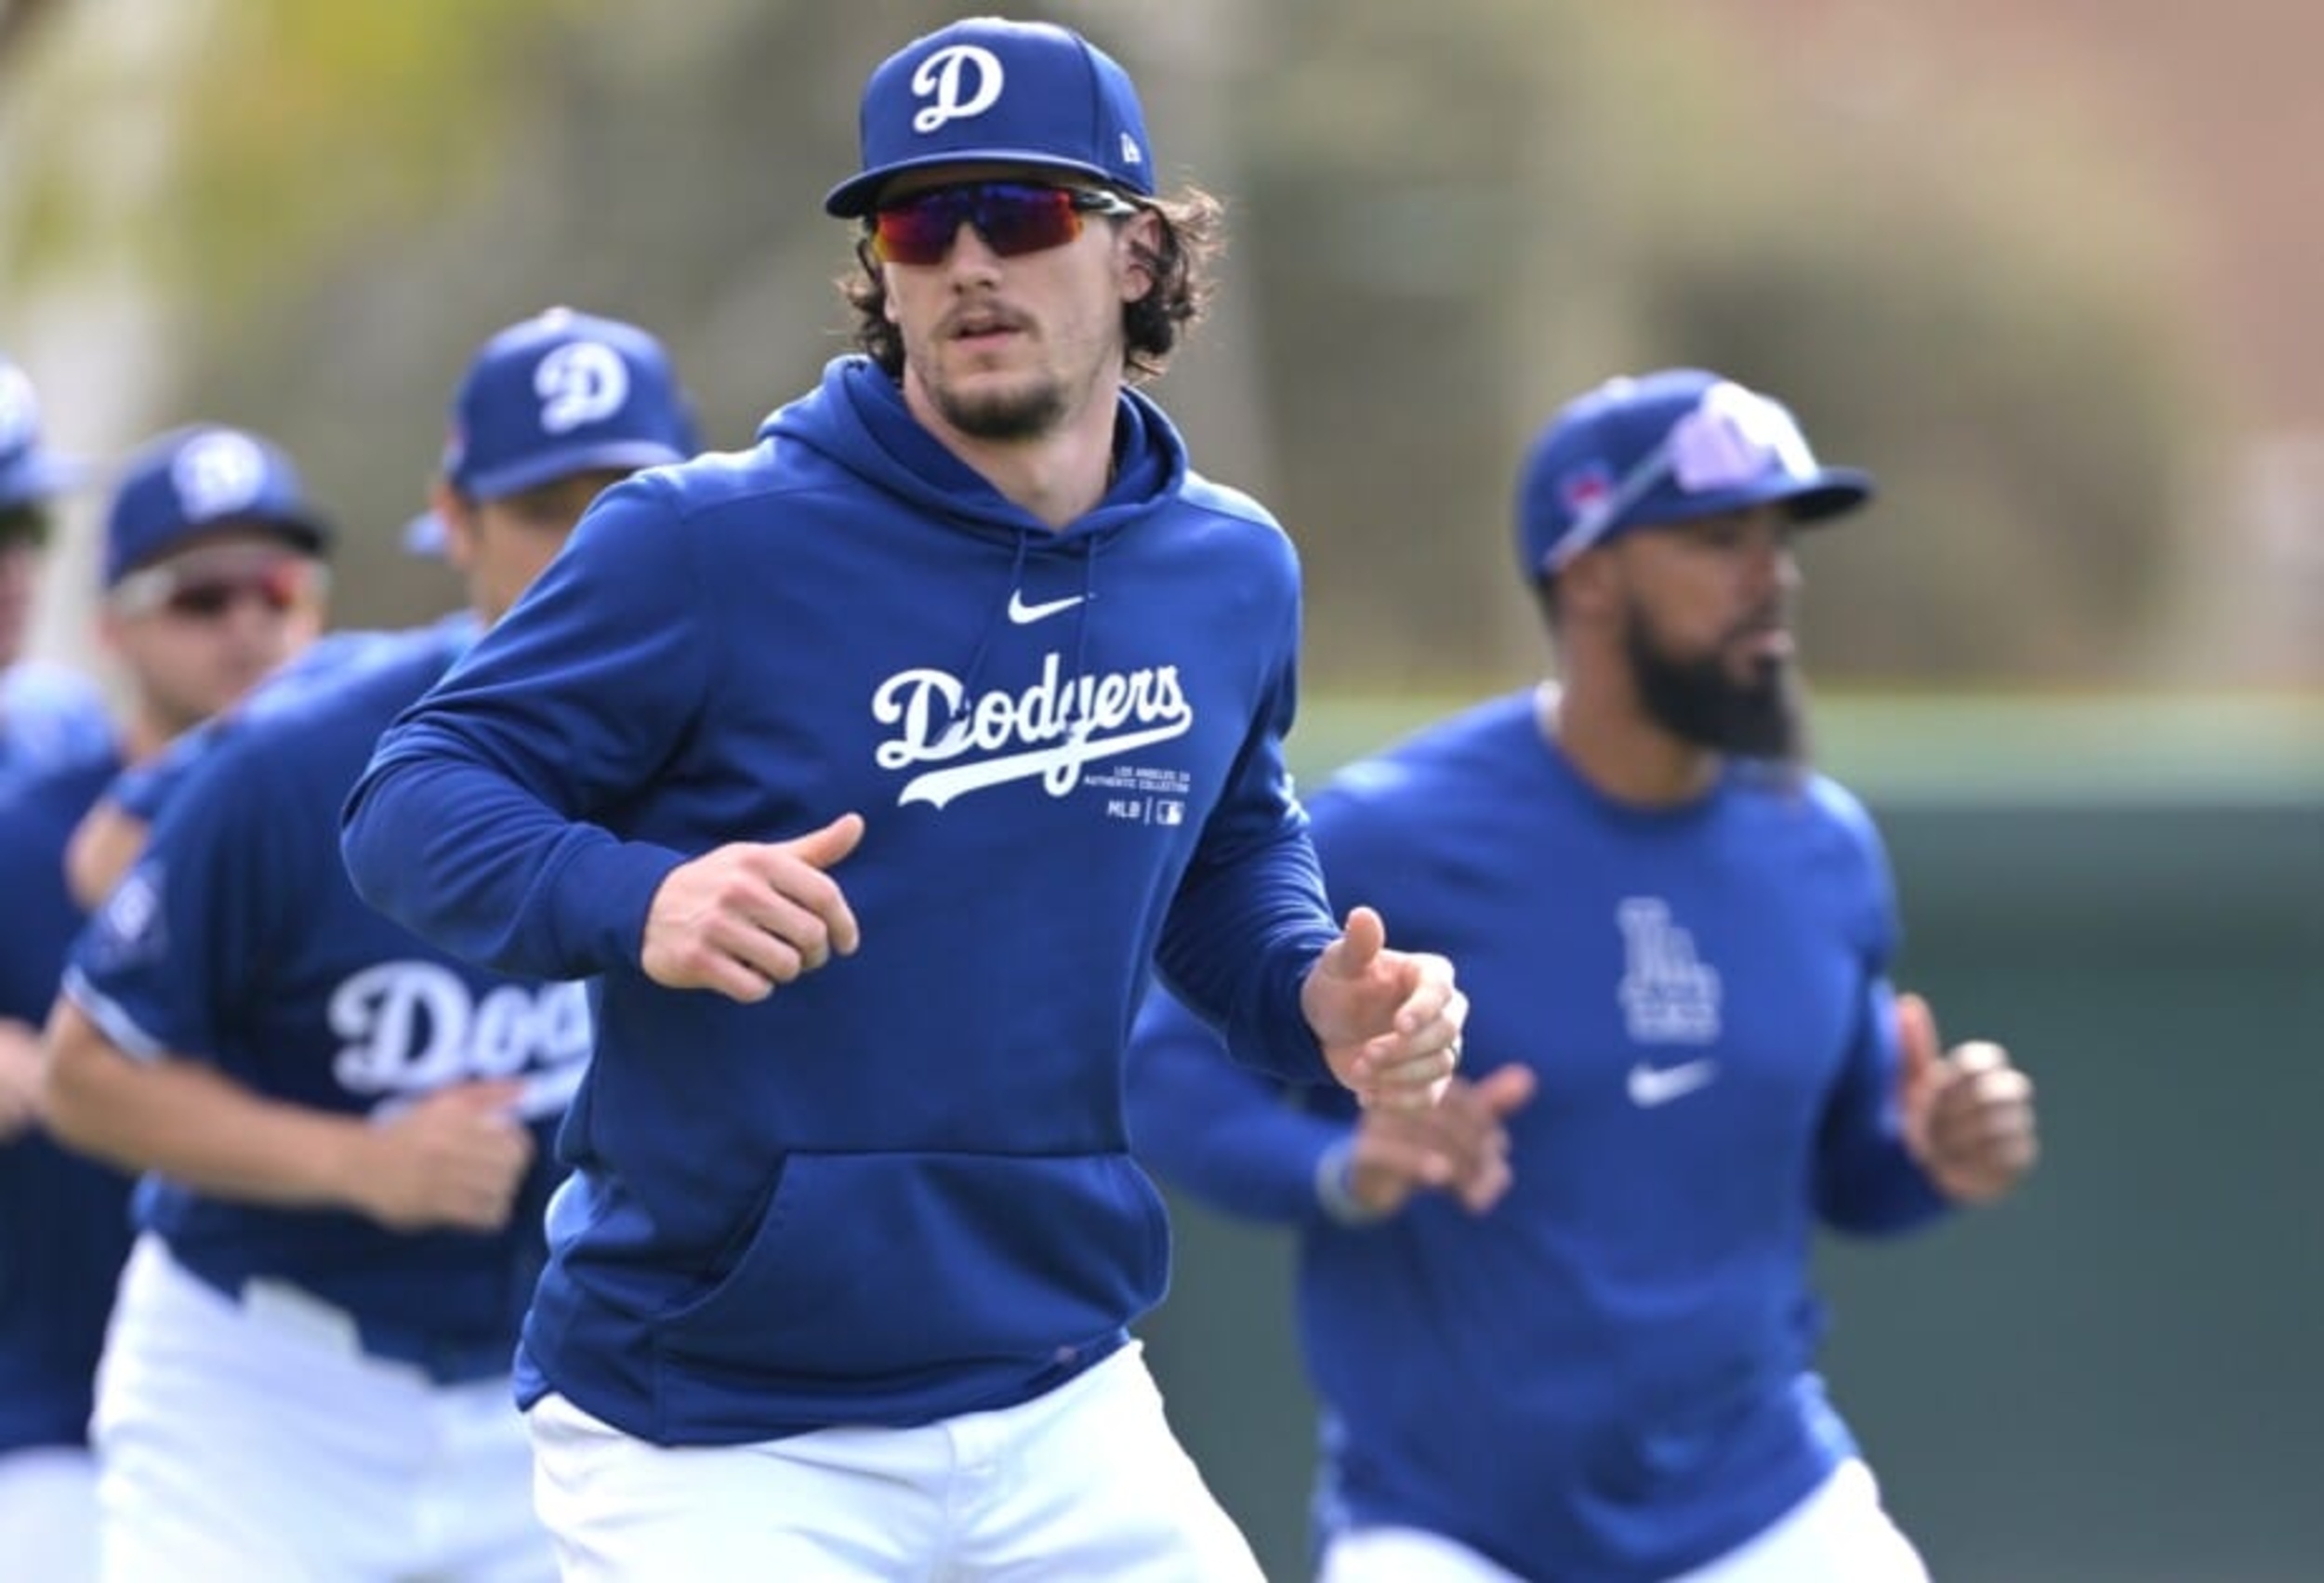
column 295, row 1393
column 64, row 1220
column 1608, row 1377
column 897, row 1192
column 49, row 717
column 143, row 789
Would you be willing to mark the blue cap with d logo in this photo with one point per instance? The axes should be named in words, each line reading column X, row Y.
column 194, row 481
column 1015, row 93
column 553, row 395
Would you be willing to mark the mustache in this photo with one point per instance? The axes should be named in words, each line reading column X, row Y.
column 979, row 318
column 1767, row 618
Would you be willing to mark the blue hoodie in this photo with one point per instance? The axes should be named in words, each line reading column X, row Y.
column 898, row 1189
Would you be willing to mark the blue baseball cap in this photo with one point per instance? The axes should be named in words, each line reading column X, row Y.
column 1658, row 448
column 29, row 473
column 559, row 393
column 200, row 479
column 988, row 89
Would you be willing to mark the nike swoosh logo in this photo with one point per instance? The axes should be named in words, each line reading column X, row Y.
column 1651, row 1085
column 1025, row 615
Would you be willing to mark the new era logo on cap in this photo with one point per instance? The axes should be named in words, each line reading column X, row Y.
column 990, row 90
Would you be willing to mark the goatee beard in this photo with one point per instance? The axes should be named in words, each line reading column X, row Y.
column 1026, row 415
column 1698, row 702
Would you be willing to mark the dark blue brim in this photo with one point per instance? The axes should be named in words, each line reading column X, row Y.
column 855, row 196
column 38, row 476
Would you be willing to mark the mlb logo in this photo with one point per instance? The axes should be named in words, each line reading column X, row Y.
column 1167, row 811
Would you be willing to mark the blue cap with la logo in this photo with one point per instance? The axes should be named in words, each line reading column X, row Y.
column 1015, row 93
column 1652, row 449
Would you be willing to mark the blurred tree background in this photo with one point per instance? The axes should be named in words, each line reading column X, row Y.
column 1444, row 219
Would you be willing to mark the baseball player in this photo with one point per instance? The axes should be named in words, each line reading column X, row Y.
column 1561, row 1326
column 869, row 767
column 203, row 587
column 48, row 715
column 344, row 1131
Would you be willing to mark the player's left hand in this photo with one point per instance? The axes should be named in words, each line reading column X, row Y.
column 1389, row 1022
column 1968, row 1113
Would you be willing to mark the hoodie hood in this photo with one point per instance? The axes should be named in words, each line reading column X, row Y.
column 857, row 417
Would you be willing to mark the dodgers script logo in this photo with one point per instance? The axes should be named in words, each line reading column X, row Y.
column 581, row 382
column 413, row 1027
column 958, row 80
column 1048, row 731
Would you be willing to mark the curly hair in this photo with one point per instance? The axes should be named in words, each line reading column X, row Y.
column 1193, row 234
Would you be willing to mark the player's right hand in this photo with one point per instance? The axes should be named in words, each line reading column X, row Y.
column 750, row 916
column 456, row 1159
column 1459, row 1145
column 19, row 1077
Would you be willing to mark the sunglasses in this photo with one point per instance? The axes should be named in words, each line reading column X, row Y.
column 1730, row 437
column 200, row 596
column 1013, row 217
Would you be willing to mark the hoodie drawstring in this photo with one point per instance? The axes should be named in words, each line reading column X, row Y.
column 1078, row 721
column 1075, row 717
column 984, row 641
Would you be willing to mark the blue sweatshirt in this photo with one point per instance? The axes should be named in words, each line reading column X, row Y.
column 237, row 940
column 898, row 1189
column 144, row 789
column 1608, row 1378
column 64, row 1219
column 49, row 718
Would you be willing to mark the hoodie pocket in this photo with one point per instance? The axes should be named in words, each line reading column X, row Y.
column 871, row 1265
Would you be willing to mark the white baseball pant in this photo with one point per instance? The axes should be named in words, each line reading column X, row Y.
column 1086, row 1482
column 1840, row 1534
column 48, row 1514
column 251, row 1441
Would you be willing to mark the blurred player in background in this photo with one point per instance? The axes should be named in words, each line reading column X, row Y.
column 212, row 575
column 1561, row 1326
column 840, row 1286
column 113, row 832
column 345, row 1132
column 47, row 714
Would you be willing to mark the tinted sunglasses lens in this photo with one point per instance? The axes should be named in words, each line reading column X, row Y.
column 1012, row 218
column 276, row 589
column 919, row 231
column 1027, row 219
